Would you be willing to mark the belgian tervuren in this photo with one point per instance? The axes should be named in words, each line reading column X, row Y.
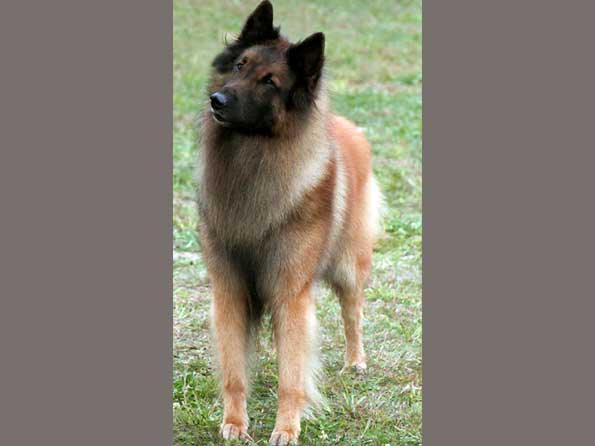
column 286, row 199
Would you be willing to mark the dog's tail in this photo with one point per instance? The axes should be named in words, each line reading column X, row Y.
column 375, row 208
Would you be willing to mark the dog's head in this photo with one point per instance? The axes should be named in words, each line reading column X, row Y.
column 261, row 78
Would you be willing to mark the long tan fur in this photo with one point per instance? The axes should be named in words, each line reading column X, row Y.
column 279, row 214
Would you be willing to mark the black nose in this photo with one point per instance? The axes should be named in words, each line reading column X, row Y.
column 218, row 100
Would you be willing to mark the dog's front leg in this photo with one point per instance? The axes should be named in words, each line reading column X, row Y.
column 229, row 318
column 295, row 326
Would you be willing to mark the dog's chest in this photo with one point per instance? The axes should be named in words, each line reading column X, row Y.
column 243, row 202
column 245, row 197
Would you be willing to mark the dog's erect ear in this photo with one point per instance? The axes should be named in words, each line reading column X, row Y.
column 259, row 25
column 258, row 28
column 307, row 57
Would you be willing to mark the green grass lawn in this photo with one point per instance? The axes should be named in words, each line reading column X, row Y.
column 374, row 70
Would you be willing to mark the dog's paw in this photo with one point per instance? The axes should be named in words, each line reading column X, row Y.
column 358, row 367
column 234, row 432
column 283, row 437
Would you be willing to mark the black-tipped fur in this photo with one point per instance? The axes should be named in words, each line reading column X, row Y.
column 306, row 60
column 257, row 29
column 259, row 25
column 297, row 68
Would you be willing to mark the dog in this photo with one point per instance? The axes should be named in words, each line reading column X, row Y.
column 286, row 199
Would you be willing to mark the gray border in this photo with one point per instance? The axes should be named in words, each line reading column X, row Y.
column 85, row 322
column 508, row 222
column 85, row 188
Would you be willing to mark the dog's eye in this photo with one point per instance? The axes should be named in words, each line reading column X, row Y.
column 268, row 80
column 239, row 66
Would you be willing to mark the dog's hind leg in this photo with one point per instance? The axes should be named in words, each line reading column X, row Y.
column 351, row 297
column 350, row 269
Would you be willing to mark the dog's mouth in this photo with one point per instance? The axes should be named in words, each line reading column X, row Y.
column 219, row 118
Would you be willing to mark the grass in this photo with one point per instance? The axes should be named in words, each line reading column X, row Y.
column 374, row 72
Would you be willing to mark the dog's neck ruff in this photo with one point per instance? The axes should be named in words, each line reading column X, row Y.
column 250, row 184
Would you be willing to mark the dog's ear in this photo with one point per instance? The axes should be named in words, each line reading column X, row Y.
column 259, row 25
column 307, row 57
column 258, row 28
